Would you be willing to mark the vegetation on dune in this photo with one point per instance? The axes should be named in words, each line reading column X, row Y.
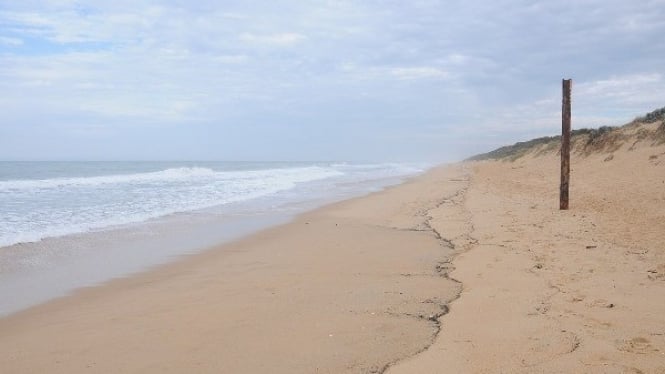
column 584, row 141
column 656, row 115
column 516, row 150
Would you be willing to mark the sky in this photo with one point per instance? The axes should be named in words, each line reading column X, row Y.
column 418, row 80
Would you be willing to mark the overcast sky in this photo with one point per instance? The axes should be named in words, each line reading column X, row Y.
column 316, row 80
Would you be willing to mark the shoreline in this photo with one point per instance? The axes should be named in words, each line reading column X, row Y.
column 36, row 272
column 367, row 284
column 389, row 300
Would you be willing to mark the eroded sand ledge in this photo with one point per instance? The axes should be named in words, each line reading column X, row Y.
column 352, row 287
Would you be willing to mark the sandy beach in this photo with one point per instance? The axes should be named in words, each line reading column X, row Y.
column 352, row 287
column 549, row 291
column 334, row 187
column 470, row 267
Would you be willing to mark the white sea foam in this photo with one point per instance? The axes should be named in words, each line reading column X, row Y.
column 167, row 176
column 98, row 210
column 32, row 209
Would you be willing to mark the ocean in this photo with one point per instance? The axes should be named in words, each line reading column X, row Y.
column 66, row 225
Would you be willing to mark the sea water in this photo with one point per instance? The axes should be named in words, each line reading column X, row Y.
column 65, row 225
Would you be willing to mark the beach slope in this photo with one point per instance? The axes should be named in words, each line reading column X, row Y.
column 352, row 287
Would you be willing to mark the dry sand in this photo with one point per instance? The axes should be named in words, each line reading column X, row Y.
column 546, row 291
column 361, row 286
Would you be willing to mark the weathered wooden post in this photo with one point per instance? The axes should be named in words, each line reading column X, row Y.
column 565, row 144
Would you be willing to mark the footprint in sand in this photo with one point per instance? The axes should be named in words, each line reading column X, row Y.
column 638, row 345
column 657, row 273
column 545, row 347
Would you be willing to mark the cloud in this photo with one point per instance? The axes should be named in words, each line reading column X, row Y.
column 629, row 89
column 9, row 41
column 231, row 59
column 338, row 71
column 421, row 72
column 402, row 73
column 278, row 39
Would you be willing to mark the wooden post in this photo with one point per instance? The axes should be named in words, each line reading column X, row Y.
column 565, row 144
